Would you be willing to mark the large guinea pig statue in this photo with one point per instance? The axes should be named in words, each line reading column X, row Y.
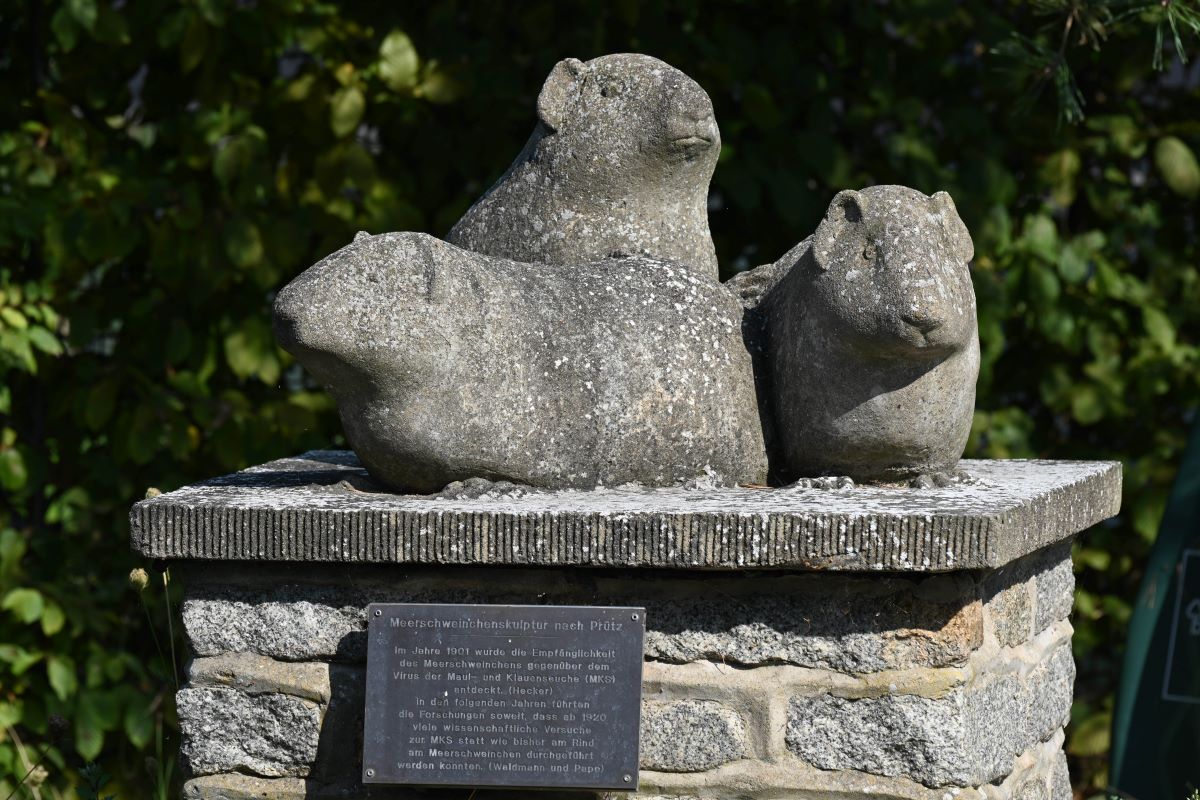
column 448, row 365
column 619, row 162
column 868, row 346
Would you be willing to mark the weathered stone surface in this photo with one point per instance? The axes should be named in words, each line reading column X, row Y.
column 620, row 160
column 848, row 625
column 1010, row 602
column 870, row 339
column 1032, row 790
column 296, row 625
column 225, row 730
column 1049, row 689
column 1060, row 779
column 852, row 625
column 1055, row 587
column 308, row 509
column 895, row 736
column 448, row 365
column 245, row 787
column 970, row 737
column 690, row 736
column 1028, row 595
column 255, row 674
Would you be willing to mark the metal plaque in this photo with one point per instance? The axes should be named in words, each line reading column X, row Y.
column 483, row 695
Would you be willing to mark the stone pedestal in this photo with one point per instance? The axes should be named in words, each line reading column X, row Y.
column 870, row 642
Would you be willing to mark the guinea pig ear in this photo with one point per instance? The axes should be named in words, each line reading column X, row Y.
column 960, row 237
column 561, row 86
column 845, row 212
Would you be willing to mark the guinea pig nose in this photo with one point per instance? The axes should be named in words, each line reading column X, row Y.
column 922, row 322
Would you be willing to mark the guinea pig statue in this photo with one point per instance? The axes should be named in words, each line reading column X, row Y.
column 871, row 341
column 619, row 162
column 448, row 365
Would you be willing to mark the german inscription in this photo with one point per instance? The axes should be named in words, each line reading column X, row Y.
column 483, row 695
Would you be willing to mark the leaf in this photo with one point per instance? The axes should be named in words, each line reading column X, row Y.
column 18, row 658
column 61, row 671
column 346, row 109
column 243, row 243
column 139, row 724
column 438, row 86
column 237, row 155
column 1159, row 327
column 192, row 44
column 13, row 318
column 13, row 473
column 1058, row 172
column 64, row 27
column 101, row 401
column 1072, row 265
column 12, row 548
column 1041, row 236
column 89, row 740
column 1177, row 165
column 53, row 618
column 250, row 352
column 398, row 61
column 45, row 341
column 1091, row 736
column 84, row 12
column 10, row 714
column 1087, row 406
column 25, row 604
column 1044, row 286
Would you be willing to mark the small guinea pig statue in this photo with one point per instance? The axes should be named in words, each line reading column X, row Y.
column 870, row 342
column 619, row 162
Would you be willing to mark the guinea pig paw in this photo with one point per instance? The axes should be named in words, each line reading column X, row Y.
column 941, row 479
column 826, row 482
column 477, row 488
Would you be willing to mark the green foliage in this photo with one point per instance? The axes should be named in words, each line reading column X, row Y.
column 165, row 167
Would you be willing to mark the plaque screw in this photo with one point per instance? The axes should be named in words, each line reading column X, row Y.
column 629, row 778
column 371, row 774
column 635, row 616
column 379, row 613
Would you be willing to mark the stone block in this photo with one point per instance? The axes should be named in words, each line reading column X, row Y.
column 225, row 730
column 852, row 625
column 1009, row 604
column 1055, row 582
column 969, row 737
column 1049, row 689
column 1060, row 779
column 245, row 787
column 309, row 509
column 255, row 674
column 820, row 621
column 295, row 625
column 690, row 736
column 894, row 736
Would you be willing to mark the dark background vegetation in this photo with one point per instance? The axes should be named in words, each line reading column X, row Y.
column 166, row 166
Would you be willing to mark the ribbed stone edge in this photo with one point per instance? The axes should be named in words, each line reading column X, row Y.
column 817, row 533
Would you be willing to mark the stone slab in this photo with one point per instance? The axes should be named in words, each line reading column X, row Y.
column 323, row 507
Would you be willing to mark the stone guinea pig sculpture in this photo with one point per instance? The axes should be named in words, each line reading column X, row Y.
column 448, row 365
column 867, row 341
column 619, row 162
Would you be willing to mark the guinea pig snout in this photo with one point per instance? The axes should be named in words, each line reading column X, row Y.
column 691, row 123
column 924, row 321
